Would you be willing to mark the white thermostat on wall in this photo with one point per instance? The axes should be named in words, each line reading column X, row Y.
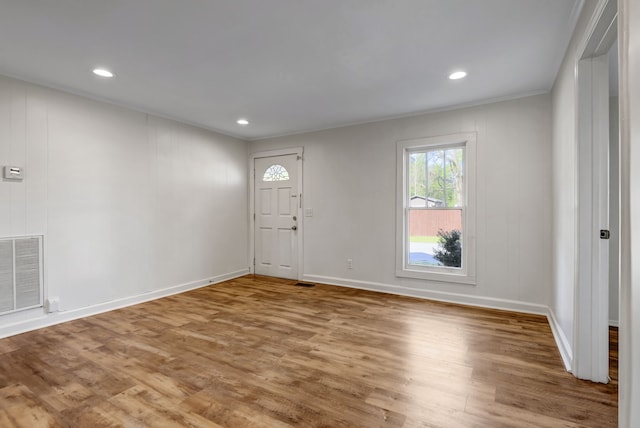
column 13, row 173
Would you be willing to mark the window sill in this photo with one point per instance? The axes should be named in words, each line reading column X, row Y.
column 459, row 278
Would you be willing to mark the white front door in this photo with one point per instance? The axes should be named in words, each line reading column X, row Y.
column 277, row 202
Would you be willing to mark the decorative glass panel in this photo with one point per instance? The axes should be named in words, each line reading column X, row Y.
column 276, row 173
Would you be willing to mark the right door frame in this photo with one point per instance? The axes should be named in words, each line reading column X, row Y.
column 591, row 320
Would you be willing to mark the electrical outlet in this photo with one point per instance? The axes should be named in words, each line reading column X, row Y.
column 53, row 304
column 349, row 263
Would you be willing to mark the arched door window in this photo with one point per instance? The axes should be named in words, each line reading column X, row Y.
column 276, row 173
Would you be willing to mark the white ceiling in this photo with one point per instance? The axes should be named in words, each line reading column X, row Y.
column 287, row 65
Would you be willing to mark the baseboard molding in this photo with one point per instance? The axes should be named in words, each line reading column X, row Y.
column 614, row 323
column 463, row 299
column 561, row 340
column 46, row 320
column 480, row 301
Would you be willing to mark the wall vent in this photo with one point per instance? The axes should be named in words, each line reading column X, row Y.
column 20, row 273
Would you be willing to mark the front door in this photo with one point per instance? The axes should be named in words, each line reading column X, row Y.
column 277, row 201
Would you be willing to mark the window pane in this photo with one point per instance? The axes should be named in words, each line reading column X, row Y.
column 436, row 185
column 453, row 177
column 417, row 180
column 435, row 238
column 445, row 177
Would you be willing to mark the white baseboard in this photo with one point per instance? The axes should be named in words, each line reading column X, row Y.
column 480, row 301
column 614, row 323
column 561, row 341
column 463, row 299
column 40, row 319
column 45, row 320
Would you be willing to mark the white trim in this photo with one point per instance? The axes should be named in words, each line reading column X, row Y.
column 471, row 104
column 597, row 38
column 629, row 105
column 564, row 347
column 590, row 321
column 562, row 343
column 48, row 86
column 444, row 276
column 278, row 152
column 46, row 320
column 467, row 274
column 614, row 323
column 440, row 296
column 299, row 151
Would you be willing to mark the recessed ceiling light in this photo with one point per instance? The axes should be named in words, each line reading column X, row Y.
column 457, row 75
column 102, row 72
column 242, row 122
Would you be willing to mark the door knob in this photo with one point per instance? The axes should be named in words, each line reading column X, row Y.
column 294, row 227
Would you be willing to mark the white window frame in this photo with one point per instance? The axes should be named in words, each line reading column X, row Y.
column 467, row 273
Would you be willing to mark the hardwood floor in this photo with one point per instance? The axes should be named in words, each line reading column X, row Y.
column 261, row 352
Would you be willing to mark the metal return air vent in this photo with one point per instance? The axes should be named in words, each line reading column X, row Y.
column 20, row 273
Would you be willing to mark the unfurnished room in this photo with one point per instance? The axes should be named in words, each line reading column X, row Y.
column 285, row 213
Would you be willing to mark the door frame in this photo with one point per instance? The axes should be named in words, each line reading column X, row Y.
column 629, row 102
column 591, row 299
column 298, row 151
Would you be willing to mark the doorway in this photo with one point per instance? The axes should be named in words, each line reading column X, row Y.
column 276, row 205
column 594, row 229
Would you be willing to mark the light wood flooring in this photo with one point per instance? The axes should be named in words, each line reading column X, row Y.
column 262, row 352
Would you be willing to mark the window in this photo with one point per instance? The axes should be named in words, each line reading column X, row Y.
column 436, row 213
column 276, row 173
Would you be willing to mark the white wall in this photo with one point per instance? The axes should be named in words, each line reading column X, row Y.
column 350, row 182
column 129, row 204
column 564, row 170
